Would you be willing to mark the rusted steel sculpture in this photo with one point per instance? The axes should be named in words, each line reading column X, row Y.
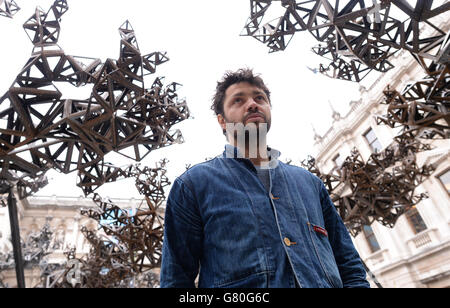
column 36, row 247
column 39, row 130
column 103, row 267
column 100, row 268
column 25, row 184
column 355, row 37
column 8, row 8
column 382, row 188
column 73, row 135
column 139, row 230
column 128, row 243
column 423, row 107
column 379, row 189
column 377, row 193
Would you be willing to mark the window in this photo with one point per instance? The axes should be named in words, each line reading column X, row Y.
column 372, row 140
column 371, row 239
column 444, row 178
column 415, row 220
column 338, row 160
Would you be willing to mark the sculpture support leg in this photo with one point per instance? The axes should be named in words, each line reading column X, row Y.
column 372, row 275
column 15, row 238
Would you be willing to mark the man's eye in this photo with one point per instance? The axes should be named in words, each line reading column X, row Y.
column 260, row 98
column 238, row 100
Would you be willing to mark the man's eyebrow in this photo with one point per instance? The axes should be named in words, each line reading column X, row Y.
column 256, row 92
column 238, row 94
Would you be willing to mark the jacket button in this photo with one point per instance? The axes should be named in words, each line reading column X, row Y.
column 287, row 242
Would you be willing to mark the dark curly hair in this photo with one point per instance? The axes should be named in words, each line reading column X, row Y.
column 231, row 78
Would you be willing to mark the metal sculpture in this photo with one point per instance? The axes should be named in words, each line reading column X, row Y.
column 36, row 247
column 8, row 8
column 103, row 265
column 139, row 230
column 379, row 189
column 25, row 184
column 101, row 268
column 383, row 187
column 127, row 244
column 73, row 135
column 423, row 107
column 357, row 37
column 40, row 131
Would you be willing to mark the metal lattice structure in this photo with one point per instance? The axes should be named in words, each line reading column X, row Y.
column 36, row 247
column 355, row 36
column 140, row 230
column 383, row 188
column 73, row 135
column 101, row 268
column 124, row 249
column 128, row 242
column 422, row 108
column 379, row 189
column 39, row 130
column 8, row 8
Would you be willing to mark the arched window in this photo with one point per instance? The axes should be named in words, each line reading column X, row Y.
column 415, row 220
column 373, row 141
column 371, row 239
column 444, row 178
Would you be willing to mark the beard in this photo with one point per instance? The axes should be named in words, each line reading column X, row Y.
column 266, row 121
column 252, row 132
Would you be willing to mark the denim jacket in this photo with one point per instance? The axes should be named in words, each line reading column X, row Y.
column 222, row 222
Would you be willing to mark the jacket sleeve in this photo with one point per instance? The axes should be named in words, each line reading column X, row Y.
column 349, row 263
column 182, row 243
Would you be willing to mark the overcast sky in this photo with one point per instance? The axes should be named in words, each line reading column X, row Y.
column 202, row 39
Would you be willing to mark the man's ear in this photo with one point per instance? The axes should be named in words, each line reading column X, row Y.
column 222, row 122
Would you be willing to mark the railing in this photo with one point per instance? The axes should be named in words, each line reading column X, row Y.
column 424, row 239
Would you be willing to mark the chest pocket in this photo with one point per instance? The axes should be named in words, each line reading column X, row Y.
column 322, row 247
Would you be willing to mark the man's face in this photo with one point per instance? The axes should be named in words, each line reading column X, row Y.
column 245, row 103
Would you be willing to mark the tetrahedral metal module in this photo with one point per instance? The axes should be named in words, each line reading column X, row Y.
column 8, row 8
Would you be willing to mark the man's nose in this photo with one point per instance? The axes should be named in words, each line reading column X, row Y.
column 252, row 105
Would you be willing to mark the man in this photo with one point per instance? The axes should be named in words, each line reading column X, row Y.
column 245, row 219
